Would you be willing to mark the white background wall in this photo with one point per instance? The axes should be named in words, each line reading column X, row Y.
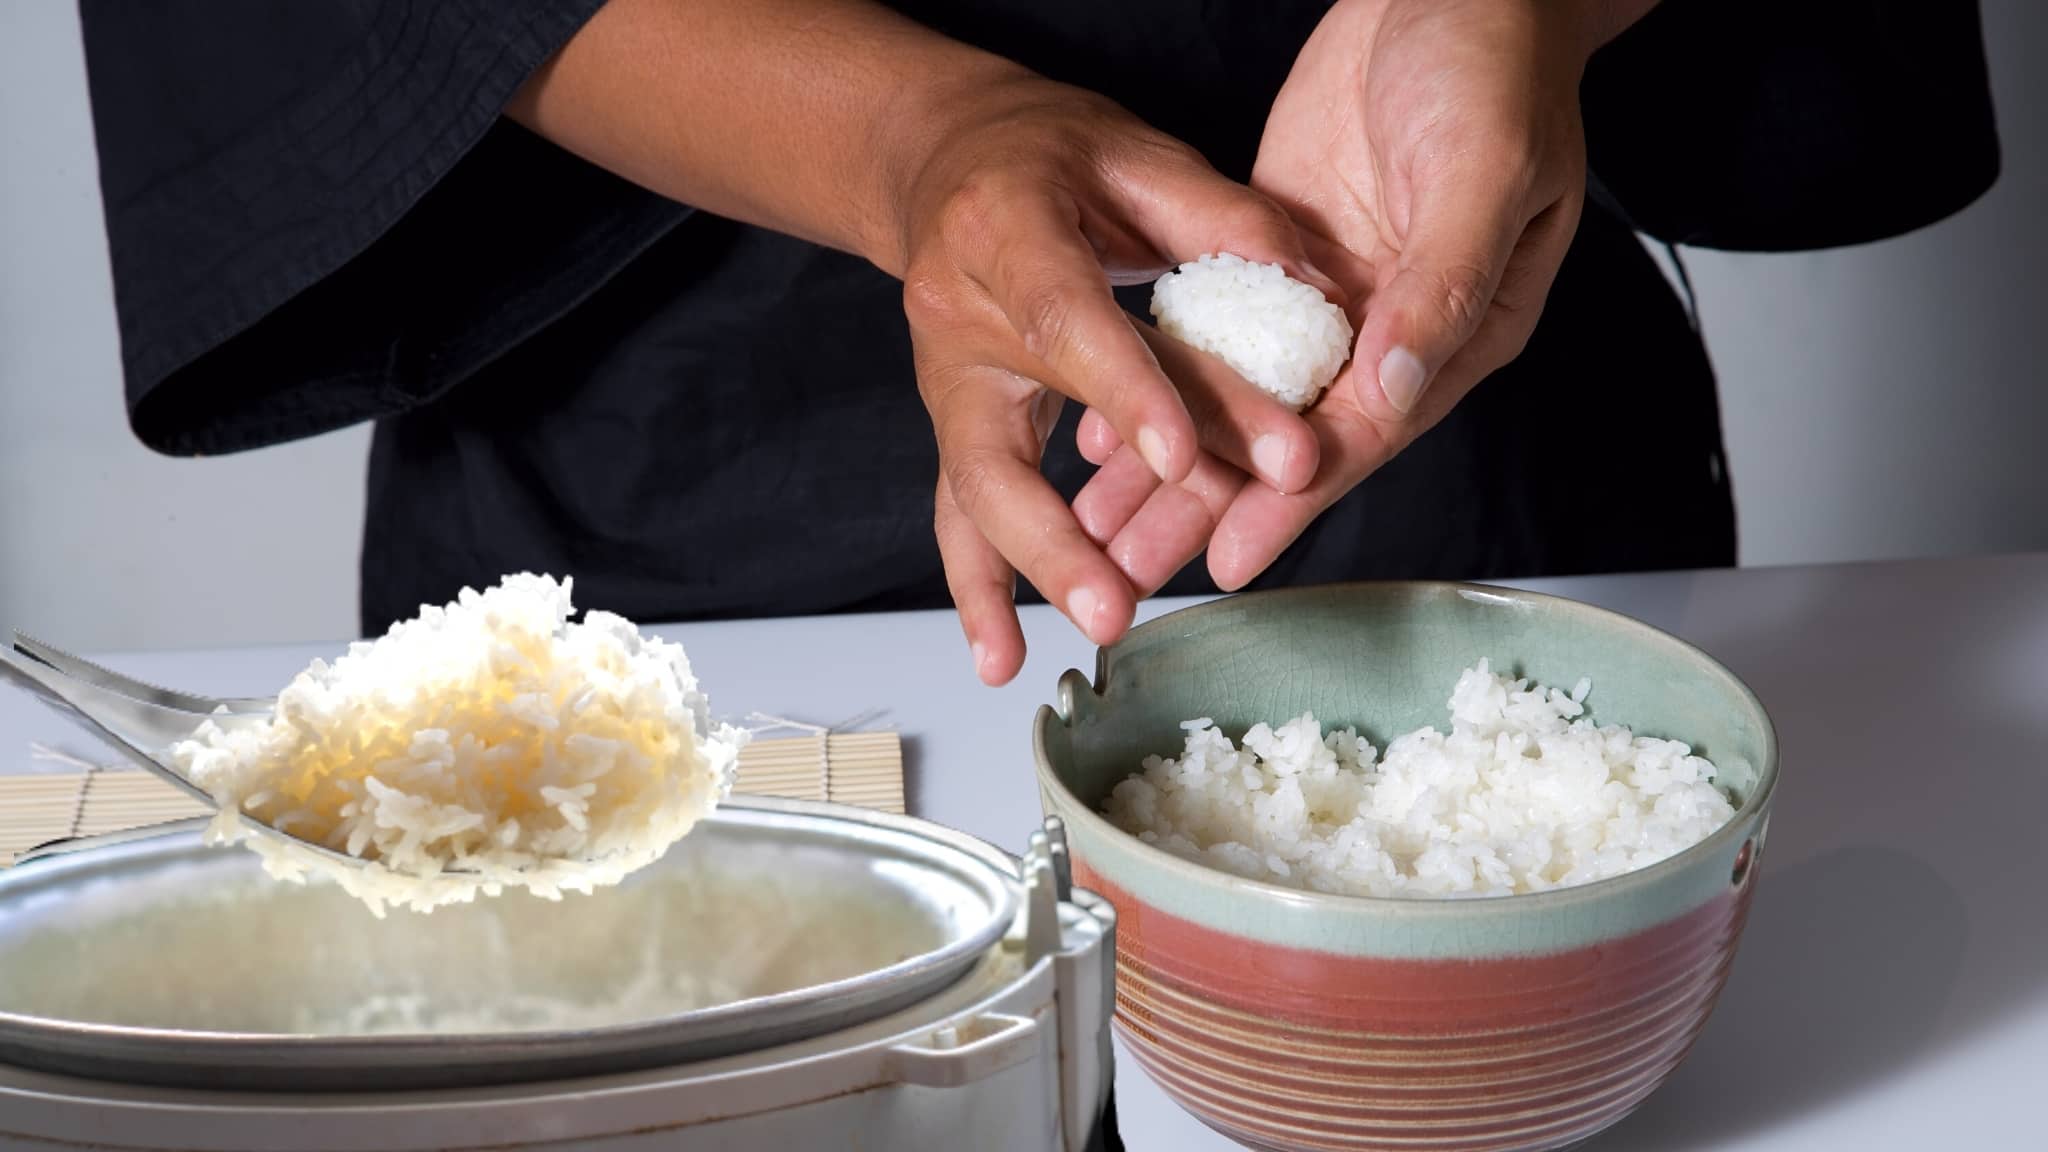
column 104, row 544
column 1880, row 402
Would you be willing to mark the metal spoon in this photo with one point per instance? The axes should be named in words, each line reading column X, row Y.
column 136, row 729
column 134, row 718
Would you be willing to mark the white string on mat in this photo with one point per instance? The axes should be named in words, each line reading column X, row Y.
column 759, row 722
column 91, row 770
column 822, row 733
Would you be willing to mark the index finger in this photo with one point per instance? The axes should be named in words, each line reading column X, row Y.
column 1045, row 277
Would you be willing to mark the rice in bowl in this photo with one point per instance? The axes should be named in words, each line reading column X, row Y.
column 1524, row 793
column 487, row 744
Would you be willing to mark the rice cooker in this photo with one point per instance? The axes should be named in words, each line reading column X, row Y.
column 790, row 975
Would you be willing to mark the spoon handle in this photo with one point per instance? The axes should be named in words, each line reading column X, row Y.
column 92, row 708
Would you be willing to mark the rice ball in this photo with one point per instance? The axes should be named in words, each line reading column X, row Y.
column 1274, row 330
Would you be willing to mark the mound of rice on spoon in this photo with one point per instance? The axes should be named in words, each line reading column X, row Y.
column 487, row 744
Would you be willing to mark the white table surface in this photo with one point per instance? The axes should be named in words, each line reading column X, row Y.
column 1892, row 988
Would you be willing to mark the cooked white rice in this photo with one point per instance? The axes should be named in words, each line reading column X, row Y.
column 491, row 738
column 1276, row 331
column 1525, row 793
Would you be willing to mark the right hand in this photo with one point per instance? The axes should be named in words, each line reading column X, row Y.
column 1026, row 203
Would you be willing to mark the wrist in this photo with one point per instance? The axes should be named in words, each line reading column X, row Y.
column 911, row 133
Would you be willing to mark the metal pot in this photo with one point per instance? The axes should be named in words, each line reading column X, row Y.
column 792, row 973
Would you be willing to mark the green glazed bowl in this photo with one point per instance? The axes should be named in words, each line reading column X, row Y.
column 1289, row 1019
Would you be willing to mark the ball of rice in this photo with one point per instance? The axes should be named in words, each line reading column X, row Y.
column 486, row 744
column 1524, row 793
column 1274, row 330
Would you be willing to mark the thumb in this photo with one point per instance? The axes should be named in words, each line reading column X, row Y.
column 1187, row 209
column 1461, row 235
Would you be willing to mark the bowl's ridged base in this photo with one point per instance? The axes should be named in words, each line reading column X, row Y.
column 1284, row 1050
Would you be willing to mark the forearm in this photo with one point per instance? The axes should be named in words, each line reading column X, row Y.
column 810, row 117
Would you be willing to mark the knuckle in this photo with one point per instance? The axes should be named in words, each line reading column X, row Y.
column 940, row 386
column 1045, row 319
column 1517, row 306
column 977, row 483
column 1139, row 147
column 1462, row 294
column 967, row 215
column 1121, row 399
column 929, row 296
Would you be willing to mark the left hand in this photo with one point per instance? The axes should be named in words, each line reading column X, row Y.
column 1434, row 152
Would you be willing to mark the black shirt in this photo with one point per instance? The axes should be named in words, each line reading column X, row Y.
column 317, row 217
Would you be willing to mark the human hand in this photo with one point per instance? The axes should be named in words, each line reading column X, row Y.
column 1006, row 203
column 1433, row 150
column 1027, row 204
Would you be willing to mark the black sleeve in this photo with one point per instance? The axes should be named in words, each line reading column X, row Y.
column 316, row 214
column 1777, row 125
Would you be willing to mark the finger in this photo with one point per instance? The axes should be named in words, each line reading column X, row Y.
column 1249, row 431
column 1046, row 279
column 988, row 452
column 1235, row 419
column 1462, row 230
column 1175, row 524
column 1113, row 495
column 984, row 591
column 1186, row 209
column 1096, row 438
column 1261, row 523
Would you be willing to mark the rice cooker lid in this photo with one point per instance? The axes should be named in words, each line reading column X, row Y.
column 165, row 962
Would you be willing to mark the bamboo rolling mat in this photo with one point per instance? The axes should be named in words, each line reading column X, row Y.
column 863, row 769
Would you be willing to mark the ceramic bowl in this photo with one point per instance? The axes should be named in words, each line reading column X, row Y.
column 1288, row 1019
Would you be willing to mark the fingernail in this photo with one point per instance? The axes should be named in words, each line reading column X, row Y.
column 1152, row 446
column 1082, row 604
column 1402, row 378
column 980, row 658
column 1269, row 456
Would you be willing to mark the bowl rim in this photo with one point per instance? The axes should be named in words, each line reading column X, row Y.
column 1756, row 804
